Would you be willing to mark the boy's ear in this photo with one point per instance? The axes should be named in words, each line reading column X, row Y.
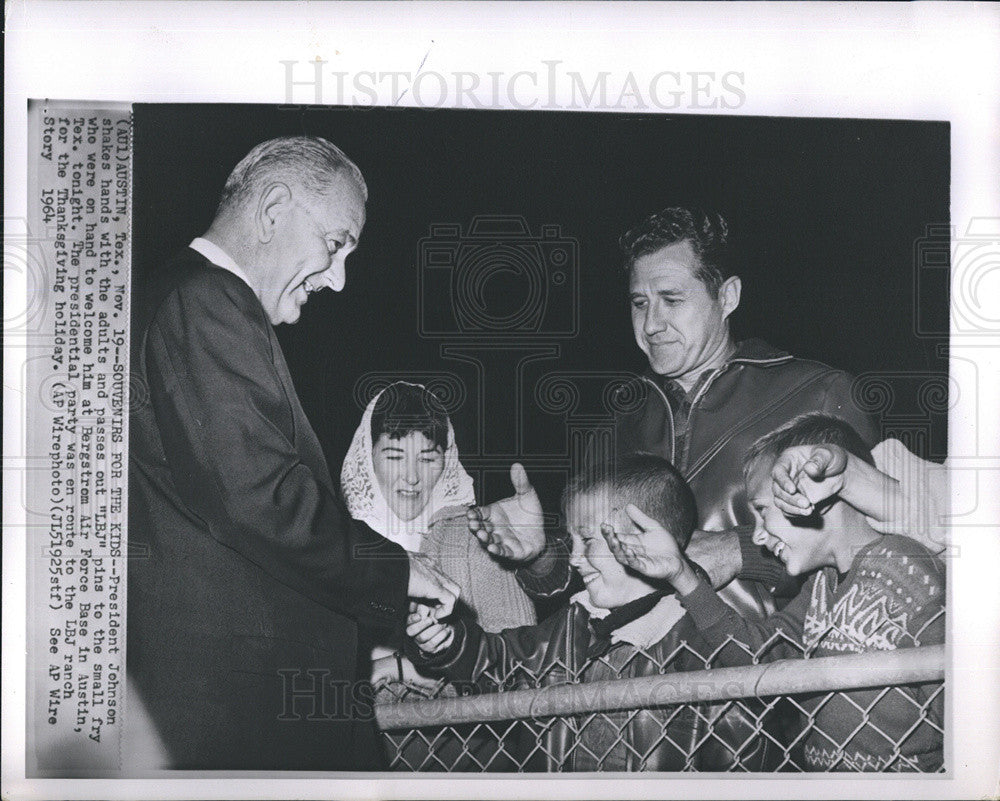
column 620, row 521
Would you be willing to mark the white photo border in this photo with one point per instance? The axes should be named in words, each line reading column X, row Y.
column 925, row 61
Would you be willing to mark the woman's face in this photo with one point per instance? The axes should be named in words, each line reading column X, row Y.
column 407, row 470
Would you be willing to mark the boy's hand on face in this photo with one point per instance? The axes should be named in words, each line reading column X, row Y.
column 649, row 549
column 430, row 635
column 804, row 475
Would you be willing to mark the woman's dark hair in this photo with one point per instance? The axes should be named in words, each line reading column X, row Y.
column 403, row 408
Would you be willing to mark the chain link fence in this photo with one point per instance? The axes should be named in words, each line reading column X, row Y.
column 878, row 709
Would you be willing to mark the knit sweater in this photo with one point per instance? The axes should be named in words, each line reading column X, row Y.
column 489, row 591
column 892, row 597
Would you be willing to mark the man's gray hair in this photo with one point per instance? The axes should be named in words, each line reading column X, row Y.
column 307, row 161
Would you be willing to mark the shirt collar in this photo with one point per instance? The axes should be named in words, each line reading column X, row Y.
column 643, row 632
column 219, row 258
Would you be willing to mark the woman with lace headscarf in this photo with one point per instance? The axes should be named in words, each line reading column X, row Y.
column 402, row 476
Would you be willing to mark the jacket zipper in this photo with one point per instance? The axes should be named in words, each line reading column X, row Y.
column 670, row 412
column 709, row 454
column 670, row 416
column 697, row 398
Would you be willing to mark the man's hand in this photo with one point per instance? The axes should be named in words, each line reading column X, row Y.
column 430, row 635
column 511, row 528
column 648, row 548
column 428, row 583
column 804, row 475
column 717, row 553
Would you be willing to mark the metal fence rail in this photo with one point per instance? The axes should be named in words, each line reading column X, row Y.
column 760, row 717
column 787, row 677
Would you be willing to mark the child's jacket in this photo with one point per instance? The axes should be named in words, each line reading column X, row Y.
column 555, row 652
column 892, row 597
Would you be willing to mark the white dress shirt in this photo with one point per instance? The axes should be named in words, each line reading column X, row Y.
column 219, row 258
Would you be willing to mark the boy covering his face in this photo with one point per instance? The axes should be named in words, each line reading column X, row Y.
column 622, row 625
column 865, row 592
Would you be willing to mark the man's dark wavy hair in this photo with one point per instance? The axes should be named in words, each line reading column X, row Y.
column 403, row 408
column 707, row 231
column 648, row 481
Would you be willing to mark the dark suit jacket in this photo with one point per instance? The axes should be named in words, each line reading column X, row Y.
column 245, row 568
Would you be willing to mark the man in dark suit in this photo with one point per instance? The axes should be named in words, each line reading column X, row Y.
column 249, row 582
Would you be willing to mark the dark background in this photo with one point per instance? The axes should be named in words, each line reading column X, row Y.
column 832, row 217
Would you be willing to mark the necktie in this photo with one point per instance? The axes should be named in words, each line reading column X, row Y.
column 601, row 628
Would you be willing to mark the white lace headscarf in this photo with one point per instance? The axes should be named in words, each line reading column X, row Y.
column 366, row 502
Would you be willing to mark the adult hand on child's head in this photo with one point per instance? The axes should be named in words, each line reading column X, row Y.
column 427, row 582
column 511, row 528
column 645, row 546
column 428, row 633
column 804, row 475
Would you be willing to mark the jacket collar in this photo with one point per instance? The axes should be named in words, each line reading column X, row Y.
column 645, row 631
column 757, row 351
column 749, row 351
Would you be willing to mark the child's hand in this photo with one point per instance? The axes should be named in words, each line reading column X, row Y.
column 804, row 475
column 648, row 548
column 387, row 670
column 430, row 635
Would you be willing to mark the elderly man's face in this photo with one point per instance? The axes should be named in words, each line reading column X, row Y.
column 311, row 240
column 678, row 325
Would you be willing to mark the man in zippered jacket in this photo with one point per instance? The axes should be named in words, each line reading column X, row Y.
column 704, row 400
